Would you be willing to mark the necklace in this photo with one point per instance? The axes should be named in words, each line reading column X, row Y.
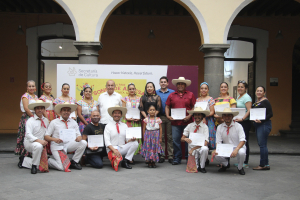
column 32, row 95
column 152, row 124
column 133, row 102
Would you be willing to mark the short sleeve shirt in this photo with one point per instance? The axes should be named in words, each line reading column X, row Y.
column 152, row 124
column 241, row 103
column 86, row 108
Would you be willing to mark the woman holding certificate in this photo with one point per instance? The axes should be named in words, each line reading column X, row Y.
column 85, row 107
column 223, row 99
column 209, row 119
column 263, row 127
column 132, row 102
column 65, row 89
column 244, row 101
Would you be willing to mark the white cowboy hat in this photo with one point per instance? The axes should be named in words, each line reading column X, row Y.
column 227, row 111
column 199, row 110
column 58, row 107
column 182, row 80
column 117, row 107
column 38, row 103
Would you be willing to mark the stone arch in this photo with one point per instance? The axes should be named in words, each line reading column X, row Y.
column 187, row 4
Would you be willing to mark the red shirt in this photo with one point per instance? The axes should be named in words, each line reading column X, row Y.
column 187, row 101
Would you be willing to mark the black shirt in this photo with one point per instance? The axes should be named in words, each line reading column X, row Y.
column 91, row 129
column 264, row 104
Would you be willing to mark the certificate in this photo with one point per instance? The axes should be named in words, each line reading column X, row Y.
column 178, row 113
column 133, row 113
column 203, row 105
column 134, row 132
column 67, row 135
column 225, row 150
column 242, row 112
column 197, row 139
column 258, row 113
column 220, row 108
column 95, row 141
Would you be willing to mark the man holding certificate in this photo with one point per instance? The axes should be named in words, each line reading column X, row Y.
column 196, row 135
column 64, row 135
column 93, row 134
column 230, row 132
column 115, row 139
column 179, row 102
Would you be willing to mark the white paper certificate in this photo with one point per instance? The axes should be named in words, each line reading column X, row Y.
column 95, row 141
column 197, row 139
column 134, row 132
column 133, row 113
column 203, row 105
column 67, row 135
column 225, row 150
column 178, row 113
column 242, row 112
column 258, row 113
column 220, row 108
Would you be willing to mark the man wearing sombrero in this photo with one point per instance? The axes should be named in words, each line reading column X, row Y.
column 230, row 132
column 36, row 128
column 115, row 139
column 60, row 160
column 181, row 98
column 200, row 128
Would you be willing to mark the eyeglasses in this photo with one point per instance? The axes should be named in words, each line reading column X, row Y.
column 241, row 81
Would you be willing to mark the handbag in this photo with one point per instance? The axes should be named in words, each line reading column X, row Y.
column 98, row 151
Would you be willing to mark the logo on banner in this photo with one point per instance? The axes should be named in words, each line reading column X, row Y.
column 72, row 72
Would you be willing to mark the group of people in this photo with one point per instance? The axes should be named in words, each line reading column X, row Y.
column 44, row 118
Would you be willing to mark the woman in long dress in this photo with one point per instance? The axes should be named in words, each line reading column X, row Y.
column 48, row 97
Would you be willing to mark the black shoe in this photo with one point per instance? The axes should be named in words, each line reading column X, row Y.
column 124, row 164
column 161, row 160
column 75, row 165
column 175, row 163
column 202, row 170
column 21, row 159
column 170, row 160
column 33, row 169
column 241, row 172
column 222, row 169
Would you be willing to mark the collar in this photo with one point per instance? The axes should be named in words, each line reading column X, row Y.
column 36, row 117
column 201, row 124
column 61, row 119
column 165, row 91
column 119, row 122
column 108, row 94
column 94, row 124
column 184, row 92
column 232, row 124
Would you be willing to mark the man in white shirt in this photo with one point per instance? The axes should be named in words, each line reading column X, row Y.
column 34, row 142
column 59, row 148
column 230, row 132
column 108, row 99
column 197, row 127
column 115, row 137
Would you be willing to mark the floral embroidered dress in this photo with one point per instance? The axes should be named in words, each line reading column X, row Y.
column 86, row 110
column 210, row 123
column 71, row 101
column 50, row 110
column 20, row 149
column 133, row 103
column 219, row 101
column 151, row 147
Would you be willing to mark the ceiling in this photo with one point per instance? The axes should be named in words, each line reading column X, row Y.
column 154, row 7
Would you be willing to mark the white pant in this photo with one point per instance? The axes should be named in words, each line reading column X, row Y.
column 36, row 149
column 240, row 158
column 78, row 147
column 128, row 150
column 202, row 153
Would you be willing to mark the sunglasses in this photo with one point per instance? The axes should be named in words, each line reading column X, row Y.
column 241, row 81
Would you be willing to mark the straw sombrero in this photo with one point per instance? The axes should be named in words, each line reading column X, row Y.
column 117, row 107
column 182, row 80
column 227, row 111
column 199, row 110
column 58, row 107
column 38, row 103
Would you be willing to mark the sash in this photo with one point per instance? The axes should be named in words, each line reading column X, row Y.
column 114, row 160
column 44, row 161
column 191, row 166
column 65, row 160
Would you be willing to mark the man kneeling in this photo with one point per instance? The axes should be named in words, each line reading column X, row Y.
column 60, row 160
column 230, row 132
column 200, row 128
column 34, row 142
column 115, row 139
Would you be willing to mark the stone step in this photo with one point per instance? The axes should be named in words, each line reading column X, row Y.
column 290, row 133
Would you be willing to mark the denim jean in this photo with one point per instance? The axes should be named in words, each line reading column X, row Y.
column 176, row 135
column 95, row 160
column 246, row 126
column 262, row 132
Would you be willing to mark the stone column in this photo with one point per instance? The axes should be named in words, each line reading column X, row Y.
column 88, row 51
column 214, row 66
